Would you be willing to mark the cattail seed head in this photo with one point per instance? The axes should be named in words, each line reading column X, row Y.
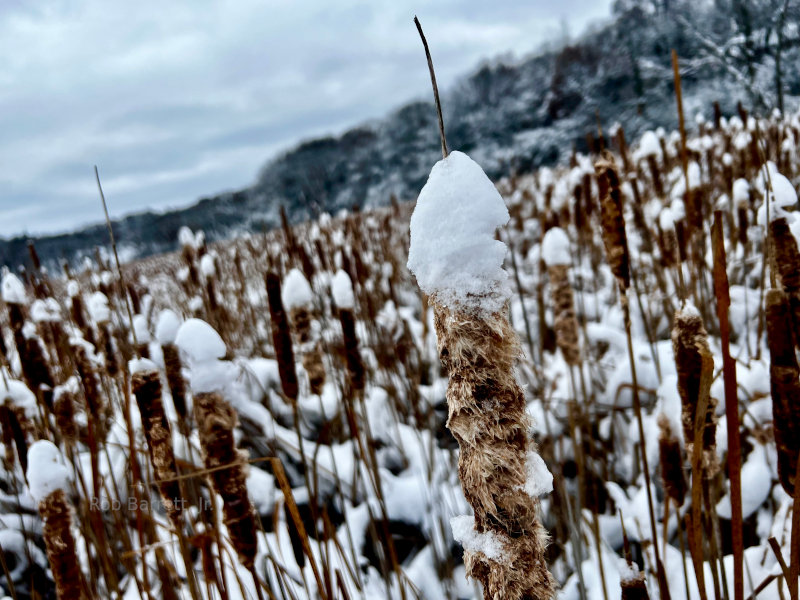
column 695, row 366
column 146, row 387
column 216, row 420
column 785, row 385
column 612, row 219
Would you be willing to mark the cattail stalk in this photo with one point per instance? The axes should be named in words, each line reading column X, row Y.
column 281, row 337
column 615, row 241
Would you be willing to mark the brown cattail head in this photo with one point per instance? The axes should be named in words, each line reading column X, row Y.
column 177, row 385
column 281, row 337
column 565, row 322
column 695, row 366
column 487, row 417
column 60, row 545
column 146, row 387
column 671, row 457
column 633, row 585
column 612, row 219
column 216, row 420
column 64, row 411
column 785, row 385
column 787, row 257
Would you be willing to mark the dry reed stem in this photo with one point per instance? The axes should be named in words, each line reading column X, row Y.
column 146, row 386
column 785, row 386
column 216, row 420
column 487, row 416
column 722, row 292
column 60, row 545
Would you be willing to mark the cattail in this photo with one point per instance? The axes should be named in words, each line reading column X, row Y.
column 787, row 261
column 64, row 410
column 501, row 473
column 555, row 252
column 281, row 337
column 345, row 303
column 633, row 585
column 15, row 426
column 612, row 219
column 297, row 297
column 695, row 366
column 785, row 385
column 97, row 408
column 146, row 387
column 48, row 479
column 216, row 420
column 166, row 330
column 671, row 458
column 101, row 315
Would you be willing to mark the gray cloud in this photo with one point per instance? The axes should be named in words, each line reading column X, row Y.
column 176, row 100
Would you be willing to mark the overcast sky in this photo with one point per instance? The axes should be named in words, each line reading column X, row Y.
column 174, row 100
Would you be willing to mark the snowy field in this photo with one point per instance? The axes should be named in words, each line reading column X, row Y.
column 266, row 418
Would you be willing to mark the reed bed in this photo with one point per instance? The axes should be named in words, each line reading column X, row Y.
column 296, row 444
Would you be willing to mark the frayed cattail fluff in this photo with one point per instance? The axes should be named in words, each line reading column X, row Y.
column 146, row 387
column 216, row 420
column 457, row 260
column 785, row 385
column 695, row 366
column 671, row 458
column 612, row 219
column 48, row 479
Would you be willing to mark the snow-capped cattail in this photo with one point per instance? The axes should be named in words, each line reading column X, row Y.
column 633, row 585
column 344, row 299
column 64, row 410
column 671, row 458
column 146, row 387
column 695, row 366
column 785, row 386
column 612, row 219
column 48, row 478
column 77, row 311
column 297, row 298
column 281, row 337
column 101, row 315
column 216, row 420
column 556, row 254
column 650, row 148
column 97, row 408
column 458, row 261
column 166, row 330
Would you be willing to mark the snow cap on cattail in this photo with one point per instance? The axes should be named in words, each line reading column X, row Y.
column 167, row 326
column 453, row 253
column 47, row 471
column 342, row 289
column 13, row 290
column 296, row 291
column 555, row 248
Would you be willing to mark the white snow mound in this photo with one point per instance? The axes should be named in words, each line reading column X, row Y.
column 453, row 252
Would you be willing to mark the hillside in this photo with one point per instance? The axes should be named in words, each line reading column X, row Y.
column 510, row 116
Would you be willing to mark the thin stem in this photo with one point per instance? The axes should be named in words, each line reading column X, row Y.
column 123, row 291
column 436, row 100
